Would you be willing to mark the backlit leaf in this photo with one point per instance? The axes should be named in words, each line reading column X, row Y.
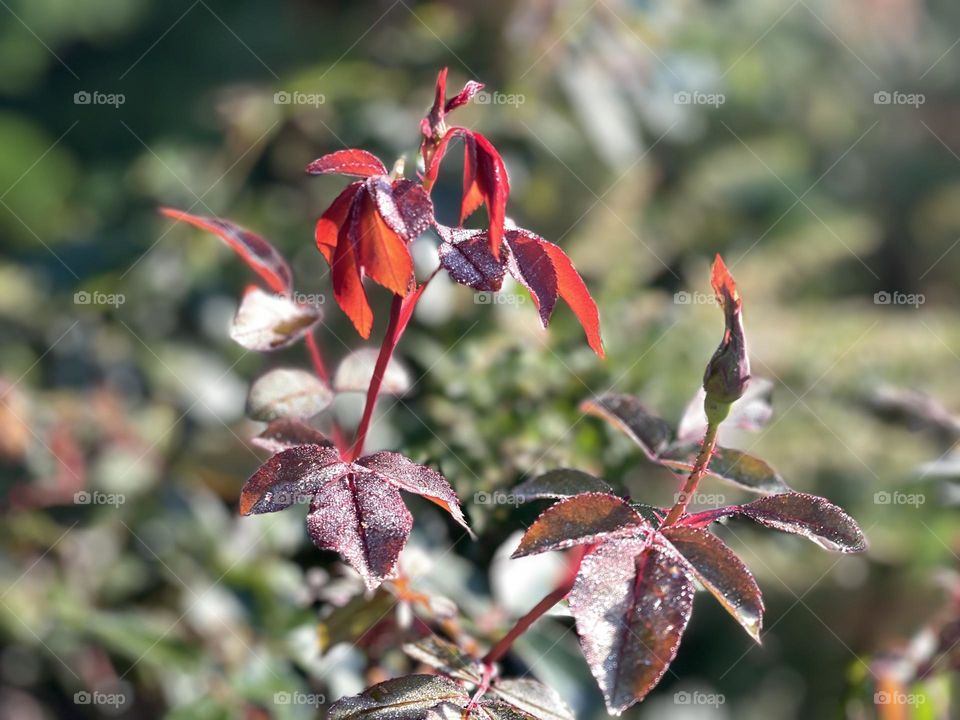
column 812, row 516
column 574, row 292
column 532, row 267
column 446, row 657
column 404, row 698
column 284, row 434
column 560, row 483
column 359, row 163
column 267, row 322
column 733, row 466
column 287, row 393
column 348, row 284
column 533, row 698
column 334, row 221
column 289, row 477
column 627, row 413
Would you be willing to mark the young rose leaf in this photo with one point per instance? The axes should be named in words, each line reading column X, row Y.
column 383, row 253
column 260, row 255
column 268, row 322
column 631, row 601
column 334, row 221
column 811, row 516
column 530, row 264
column 355, row 372
column 289, row 476
column 363, row 518
column 358, row 163
column 560, row 483
column 419, row 479
column 751, row 412
column 466, row 256
column 534, row 698
column 404, row 698
column 732, row 466
column 445, row 657
column 348, row 283
column 287, row 393
column 722, row 573
column 728, row 371
column 404, row 205
column 574, row 292
column 582, row 519
column 628, row 414
column 284, row 434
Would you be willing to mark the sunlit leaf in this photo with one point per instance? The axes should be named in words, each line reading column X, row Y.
column 446, row 657
column 355, row 372
column 733, row 466
column 287, row 393
column 404, row 698
column 289, row 477
column 812, row 516
column 267, row 322
column 531, row 266
column 359, row 163
column 560, row 483
column 574, row 292
column 533, row 697
column 627, row 413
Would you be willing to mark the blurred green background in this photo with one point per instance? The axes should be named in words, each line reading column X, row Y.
column 814, row 144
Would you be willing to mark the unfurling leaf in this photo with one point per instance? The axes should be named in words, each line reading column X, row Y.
column 259, row 254
column 287, row 393
column 290, row 476
column 627, row 413
column 358, row 163
column 404, row 698
column 631, row 600
column 355, row 372
column 446, row 657
column 532, row 697
column 812, row 516
column 722, row 573
column 581, row 519
column 267, row 322
column 751, row 412
column 728, row 371
column 732, row 466
column 284, row 434
column 560, row 483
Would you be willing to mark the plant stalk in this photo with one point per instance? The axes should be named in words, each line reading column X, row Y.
column 696, row 475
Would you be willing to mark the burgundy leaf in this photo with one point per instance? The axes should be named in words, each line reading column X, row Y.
column 284, row 434
column 419, row 479
column 404, row 205
column 812, row 516
column 405, row 698
column 359, row 163
column 530, row 264
column 464, row 96
column 364, row 519
column 260, row 255
column 268, row 322
column 287, row 393
column 722, row 573
column 289, row 476
column 732, row 466
column 496, row 710
column 465, row 254
column 560, row 483
column 583, row 519
column 627, row 413
column 631, row 601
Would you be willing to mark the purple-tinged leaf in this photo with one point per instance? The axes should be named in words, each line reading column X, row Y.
column 583, row 519
column 355, row 372
column 466, row 256
column 268, row 322
column 419, row 479
column 534, row 698
column 812, row 516
column 751, row 412
column 364, row 519
column 722, row 573
column 284, row 434
column 287, row 393
column 531, row 266
column 497, row 710
column 446, row 657
column 559, row 483
column 289, row 477
column 471, row 88
column 404, row 205
column 631, row 601
column 358, row 163
column 405, row 698
column 732, row 466
column 628, row 414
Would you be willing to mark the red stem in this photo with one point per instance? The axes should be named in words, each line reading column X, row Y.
column 319, row 367
column 506, row 642
column 699, row 470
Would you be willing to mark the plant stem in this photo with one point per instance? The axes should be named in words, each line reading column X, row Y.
column 316, row 358
column 696, row 475
column 506, row 642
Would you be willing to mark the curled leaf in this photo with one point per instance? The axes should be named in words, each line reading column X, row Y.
column 287, row 393
column 628, row 414
column 266, row 322
column 560, row 483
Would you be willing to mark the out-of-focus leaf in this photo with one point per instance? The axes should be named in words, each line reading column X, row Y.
column 290, row 476
column 582, row 519
column 284, row 434
column 446, row 657
column 260, row 255
column 631, row 600
column 560, row 483
column 358, row 163
column 751, row 412
column 267, row 322
column 722, row 573
column 733, row 466
column 533, row 698
column 627, row 413
column 404, row 698
column 349, row 623
column 287, row 393
column 355, row 372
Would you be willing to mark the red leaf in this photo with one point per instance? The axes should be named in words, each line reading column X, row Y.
column 348, row 285
column 471, row 88
column 465, row 255
column 383, row 255
column 404, row 205
column 359, row 163
column 472, row 196
column 260, row 255
column 573, row 290
column 722, row 573
column 333, row 220
column 267, row 322
column 419, row 479
column 582, row 519
column 532, row 267
column 364, row 519
column 631, row 601
column 289, row 475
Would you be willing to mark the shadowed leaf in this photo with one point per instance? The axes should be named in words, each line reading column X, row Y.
column 534, row 698
column 560, row 483
column 287, row 393
column 627, row 413
column 404, row 698
column 446, row 657
column 267, row 322
column 733, row 466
